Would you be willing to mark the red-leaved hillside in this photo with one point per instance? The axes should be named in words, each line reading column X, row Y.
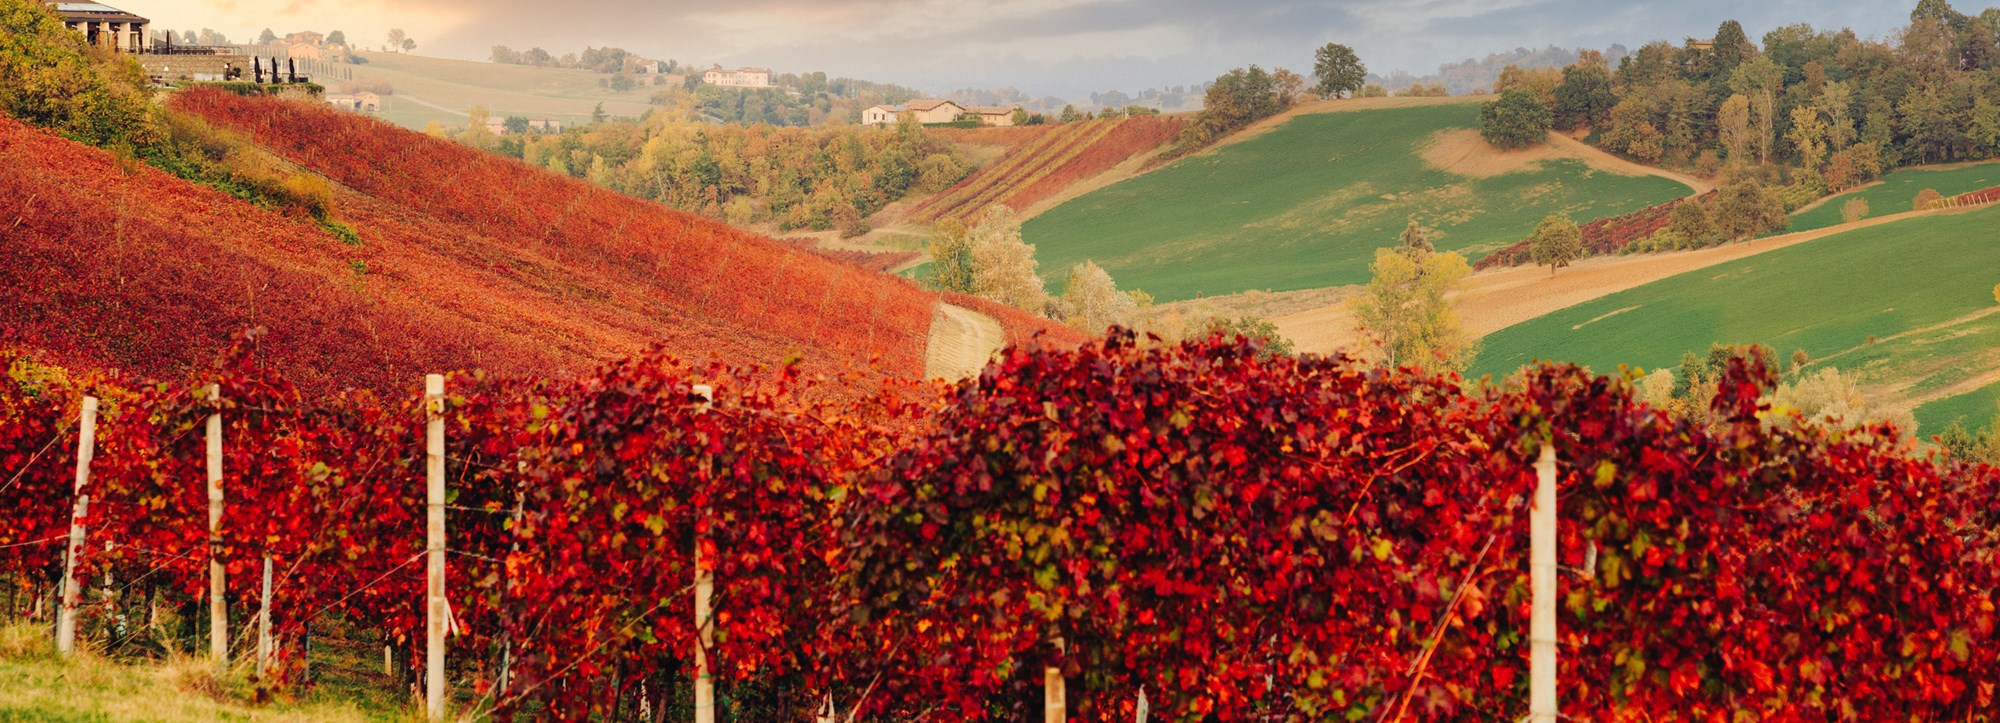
column 467, row 259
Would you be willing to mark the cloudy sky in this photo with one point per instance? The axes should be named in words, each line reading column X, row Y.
column 1059, row 47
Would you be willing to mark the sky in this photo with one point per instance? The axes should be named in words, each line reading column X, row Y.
column 1066, row 48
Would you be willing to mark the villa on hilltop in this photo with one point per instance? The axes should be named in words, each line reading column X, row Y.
column 739, row 78
column 935, row 110
column 105, row 26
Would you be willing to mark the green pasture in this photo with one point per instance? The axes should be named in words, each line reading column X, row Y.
column 1305, row 205
column 1907, row 306
column 1976, row 410
column 1898, row 190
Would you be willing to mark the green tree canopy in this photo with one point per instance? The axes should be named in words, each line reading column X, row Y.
column 1517, row 119
column 1556, row 243
column 1339, row 71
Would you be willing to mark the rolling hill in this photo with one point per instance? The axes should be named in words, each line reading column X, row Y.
column 1052, row 160
column 1907, row 306
column 1305, row 202
column 466, row 260
column 438, row 89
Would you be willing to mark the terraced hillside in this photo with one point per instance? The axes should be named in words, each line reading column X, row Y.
column 1908, row 306
column 465, row 260
column 1305, row 204
column 1051, row 160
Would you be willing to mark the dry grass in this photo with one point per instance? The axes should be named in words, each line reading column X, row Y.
column 36, row 684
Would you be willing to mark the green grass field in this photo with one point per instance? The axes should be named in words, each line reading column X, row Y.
column 1306, row 205
column 443, row 90
column 1976, row 410
column 1907, row 306
column 1897, row 190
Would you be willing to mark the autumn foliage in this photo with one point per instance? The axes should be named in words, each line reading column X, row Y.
column 1234, row 536
column 464, row 259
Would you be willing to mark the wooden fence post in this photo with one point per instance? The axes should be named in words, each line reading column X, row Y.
column 218, row 605
column 86, row 450
column 1542, row 579
column 435, row 611
column 264, row 625
column 704, row 592
column 1054, row 696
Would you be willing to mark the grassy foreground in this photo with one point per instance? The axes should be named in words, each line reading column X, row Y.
column 38, row 685
column 1907, row 306
column 1306, row 204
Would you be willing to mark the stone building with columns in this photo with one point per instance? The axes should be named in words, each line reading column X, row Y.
column 106, row 26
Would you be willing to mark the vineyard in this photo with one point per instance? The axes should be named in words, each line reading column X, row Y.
column 1231, row 537
column 459, row 259
column 1602, row 237
column 1049, row 163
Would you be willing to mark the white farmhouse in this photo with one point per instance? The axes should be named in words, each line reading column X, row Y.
column 738, row 78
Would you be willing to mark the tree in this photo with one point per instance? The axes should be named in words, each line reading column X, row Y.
column 1807, row 137
column 1556, row 242
column 1732, row 126
column 1403, row 310
column 1270, row 342
column 1691, row 219
column 1925, row 198
column 1288, row 85
column 1339, row 71
column 1732, row 47
column 1542, row 82
column 951, row 257
column 1417, row 239
column 188, row 38
column 1003, row 266
column 396, row 38
column 409, row 45
column 1759, row 80
column 336, row 38
column 1091, row 301
column 1070, row 115
column 517, row 124
column 1236, row 99
column 267, row 37
column 1747, row 208
column 1517, row 119
column 597, row 114
column 1585, row 97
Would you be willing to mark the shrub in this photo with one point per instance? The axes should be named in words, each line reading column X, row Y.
column 1854, row 210
column 1925, row 198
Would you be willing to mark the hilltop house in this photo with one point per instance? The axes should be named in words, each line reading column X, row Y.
column 934, row 110
column 545, row 125
column 368, row 101
column 343, row 102
column 305, row 37
column 995, row 115
column 738, row 78
column 637, row 66
column 105, row 26
column 304, row 51
column 924, row 110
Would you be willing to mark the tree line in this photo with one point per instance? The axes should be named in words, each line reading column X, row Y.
column 1818, row 110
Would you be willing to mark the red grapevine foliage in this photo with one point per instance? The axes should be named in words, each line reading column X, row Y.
column 1237, row 538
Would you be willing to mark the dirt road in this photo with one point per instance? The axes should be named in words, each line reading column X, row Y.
column 962, row 341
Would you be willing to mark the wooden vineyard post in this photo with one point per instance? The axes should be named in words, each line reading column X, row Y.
column 264, row 625
column 1542, row 581
column 704, row 591
column 86, row 450
column 434, row 576
column 1054, row 695
column 218, row 605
